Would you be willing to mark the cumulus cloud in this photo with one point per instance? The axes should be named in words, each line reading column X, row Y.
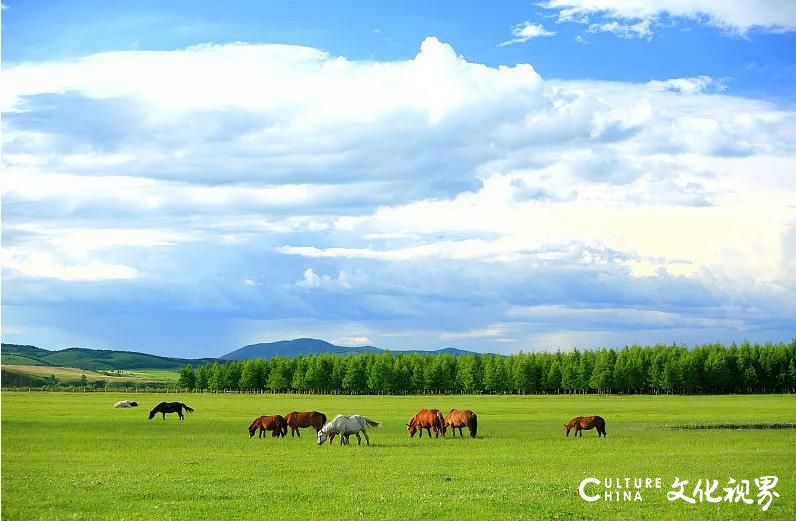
column 312, row 280
column 290, row 193
column 526, row 31
column 635, row 18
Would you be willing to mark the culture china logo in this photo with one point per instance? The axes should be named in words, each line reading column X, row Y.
column 758, row 491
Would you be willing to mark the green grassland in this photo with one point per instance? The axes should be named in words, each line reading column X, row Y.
column 72, row 375
column 72, row 456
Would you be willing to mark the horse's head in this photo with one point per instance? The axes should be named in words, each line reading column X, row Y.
column 567, row 428
column 153, row 412
column 252, row 430
column 322, row 436
column 411, row 428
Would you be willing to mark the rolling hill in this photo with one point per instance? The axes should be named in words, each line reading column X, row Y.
column 99, row 359
column 14, row 354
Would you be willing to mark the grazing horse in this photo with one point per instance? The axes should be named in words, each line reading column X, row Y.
column 582, row 423
column 345, row 426
column 124, row 404
column 169, row 407
column 458, row 419
column 427, row 419
column 276, row 424
column 299, row 420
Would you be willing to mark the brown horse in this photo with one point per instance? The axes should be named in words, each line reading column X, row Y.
column 276, row 424
column 299, row 420
column 582, row 423
column 458, row 419
column 427, row 419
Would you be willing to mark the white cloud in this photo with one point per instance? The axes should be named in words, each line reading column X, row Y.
column 635, row 17
column 304, row 86
column 461, row 190
column 312, row 280
column 695, row 85
column 495, row 330
column 623, row 30
column 526, row 31
column 353, row 341
column 43, row 265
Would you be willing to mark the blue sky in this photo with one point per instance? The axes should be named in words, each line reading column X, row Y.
column 184, row 178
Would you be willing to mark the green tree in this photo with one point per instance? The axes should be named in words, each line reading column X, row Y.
column 355, row 379
column 251, row 377
column 553, row 377
column 187, row 378
column 203, row 377
column 380, row 377
column 280, row 375
column 602, row 375
column 468, row 376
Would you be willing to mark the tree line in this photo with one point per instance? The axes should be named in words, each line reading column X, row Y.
column 709, row 368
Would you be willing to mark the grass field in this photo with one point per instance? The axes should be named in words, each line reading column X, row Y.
column 71, row 375
column 72, row 456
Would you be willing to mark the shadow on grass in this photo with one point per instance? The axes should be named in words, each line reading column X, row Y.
column 734, row 426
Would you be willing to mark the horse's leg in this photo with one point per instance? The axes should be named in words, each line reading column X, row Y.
column 298, row 432
column 460, row 433
column 366, row 437
column 359, row 439
column 428, row 430
column 164, row 415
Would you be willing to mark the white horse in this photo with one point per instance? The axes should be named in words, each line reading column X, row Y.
column 344, row 426
column 124, row 404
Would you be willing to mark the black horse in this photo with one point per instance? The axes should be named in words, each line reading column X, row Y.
column 169, row 407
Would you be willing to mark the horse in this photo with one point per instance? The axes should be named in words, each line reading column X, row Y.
column 276, row 424
column 299, row 420
column 585, row 423
column 169, row 407
column 124, row 404
column 427, row 419
column 458, row 419
column 345, row 426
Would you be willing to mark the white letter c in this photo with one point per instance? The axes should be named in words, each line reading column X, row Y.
column 583, row 484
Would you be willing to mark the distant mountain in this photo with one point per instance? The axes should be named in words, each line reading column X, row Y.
column 290, row 348
column 13, row 354
column 308, row 346
column 94, row 359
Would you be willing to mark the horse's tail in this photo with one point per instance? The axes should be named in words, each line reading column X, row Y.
column 186, row 407
column 473, row 425
column 372, row 423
